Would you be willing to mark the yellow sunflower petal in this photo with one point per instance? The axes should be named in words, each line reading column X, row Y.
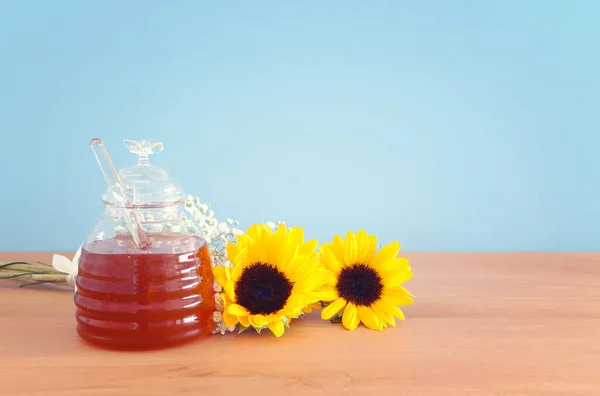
column 297, row 235
column 361, row 246
column 381, row 309
column 393, row 308
column 243, row 241
column 229, row 319
column 369, row 318
column 372, row 247
column 350, row 317
column 387, row 253
column 287, row 256
column 328, row 278
column 350, row 248
column 327, row 293
column 329, row 311
column 309, row 308
column 300, row 266
column 276, row 327
column 337, row 247
column 331, row 262
column 309, row 247
column 237, row 270
column 244, row 321
column 397, row 264
column 366, row 247
column 257, row 321
column 407, row 292
column 293, row 306
column 396, row 278
column 226, row 299
column 279, row 246
column 221, row 274
column 239, row 262
column 231, row 251
column 258, row 252
column 398, row 295
column 397, row 312
column 255, row 231
column 315, row 281
column 229, row 288
column 267, row 231
column 281, row 232
column 237, row 310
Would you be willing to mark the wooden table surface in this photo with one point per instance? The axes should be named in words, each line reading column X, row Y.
column 482, row 324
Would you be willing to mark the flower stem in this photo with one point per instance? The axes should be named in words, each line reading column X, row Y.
column 33, row 276
column 21, row 266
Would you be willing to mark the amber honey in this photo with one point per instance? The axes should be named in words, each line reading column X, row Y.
column 144, row 300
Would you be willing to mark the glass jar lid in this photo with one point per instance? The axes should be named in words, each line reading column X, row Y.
column 147, row 185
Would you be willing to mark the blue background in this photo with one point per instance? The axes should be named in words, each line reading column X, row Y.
column 447, row 125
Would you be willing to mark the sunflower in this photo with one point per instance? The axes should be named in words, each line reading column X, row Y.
column 367, row 287
column 275, row 277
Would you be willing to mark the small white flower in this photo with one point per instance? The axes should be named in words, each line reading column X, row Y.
column 217, row 316
column 119, row 228
column 236, row 232
column 221, row 328
column 176, row 228
column 216, row 287
column 229, row 221
column 223, row 227
column 211, row 213
column 271, row 225
column 155, row 227
column 219, row 303
column 149, row 217
column 66, row 266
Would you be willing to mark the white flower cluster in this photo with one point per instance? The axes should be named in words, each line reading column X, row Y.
column 220, row 326
column 274, row 226
column 217, row 234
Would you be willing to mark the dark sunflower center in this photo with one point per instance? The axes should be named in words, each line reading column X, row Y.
column 359, row 284
column 262, row 289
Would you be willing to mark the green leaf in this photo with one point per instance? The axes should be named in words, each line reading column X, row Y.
column 5, row 264
column 17, row 275
column 337, row 319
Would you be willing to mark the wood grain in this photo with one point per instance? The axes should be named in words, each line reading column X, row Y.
column 483, row 324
